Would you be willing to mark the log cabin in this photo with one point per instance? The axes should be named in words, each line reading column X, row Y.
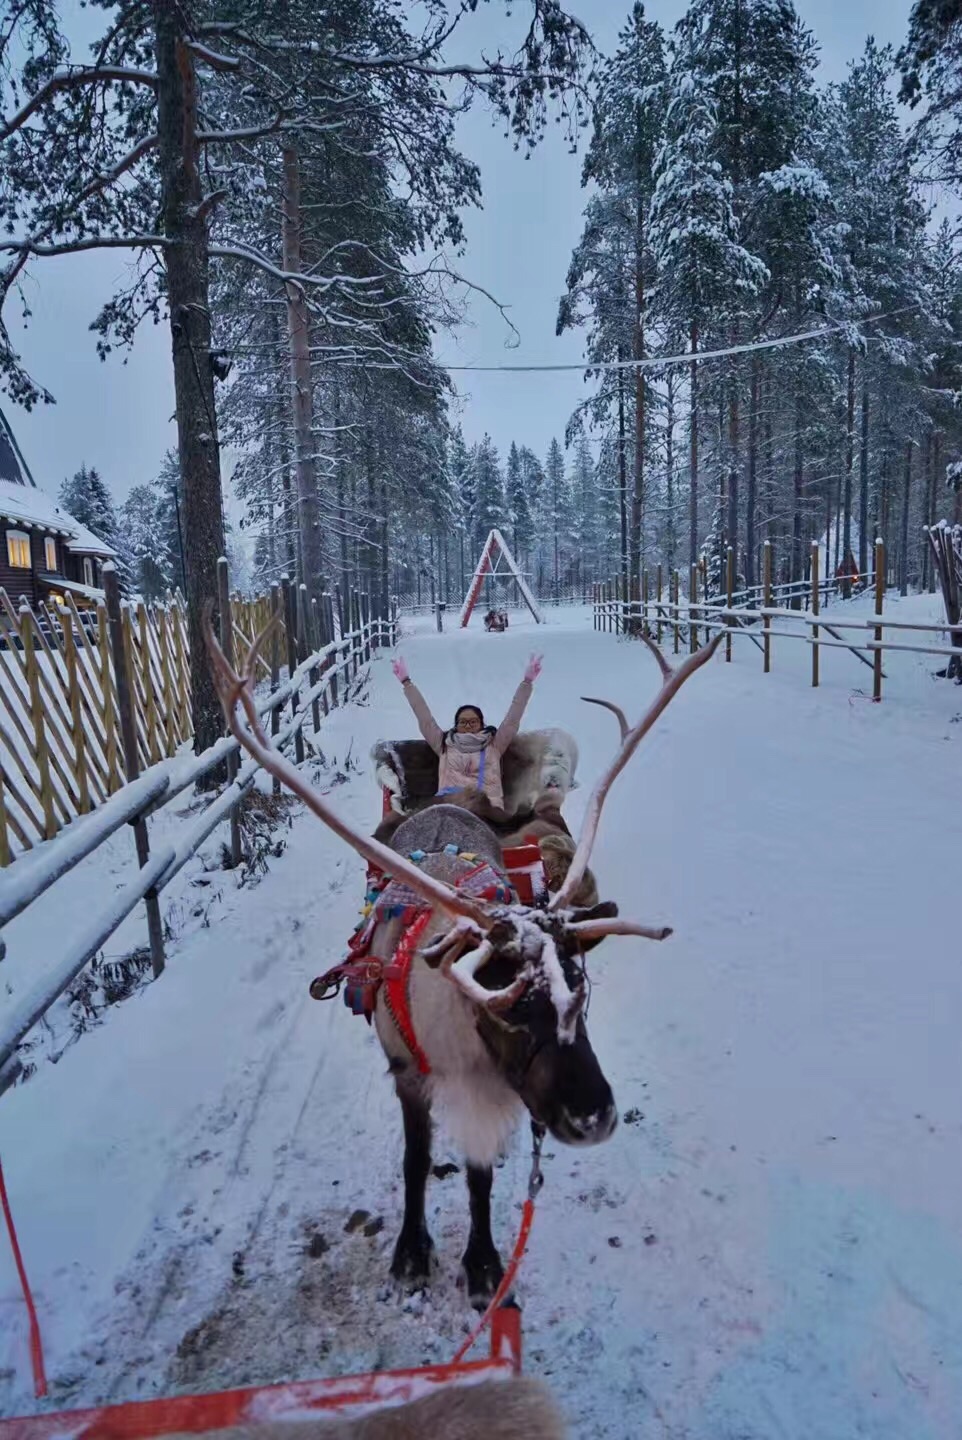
column 45, row 553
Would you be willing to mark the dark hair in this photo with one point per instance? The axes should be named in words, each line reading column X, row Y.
column 490, row 729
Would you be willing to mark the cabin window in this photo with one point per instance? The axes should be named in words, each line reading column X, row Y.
column 88, row 571
column 50, row 553
column 18, row 550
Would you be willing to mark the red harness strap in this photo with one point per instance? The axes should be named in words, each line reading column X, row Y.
column 397, row 976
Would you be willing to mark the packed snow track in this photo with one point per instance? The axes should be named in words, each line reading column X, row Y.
column 207, row 1184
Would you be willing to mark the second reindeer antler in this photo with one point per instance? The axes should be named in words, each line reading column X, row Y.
column 236, row 693
column 672, row 681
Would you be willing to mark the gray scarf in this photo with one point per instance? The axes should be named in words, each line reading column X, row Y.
column 467, row 743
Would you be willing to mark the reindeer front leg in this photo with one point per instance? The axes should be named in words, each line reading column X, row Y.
column 481, row 1262
column 414, row 1248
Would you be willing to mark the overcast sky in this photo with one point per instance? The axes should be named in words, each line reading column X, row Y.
column 117, row 416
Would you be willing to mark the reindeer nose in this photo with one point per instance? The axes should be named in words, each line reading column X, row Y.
column 591, row 1129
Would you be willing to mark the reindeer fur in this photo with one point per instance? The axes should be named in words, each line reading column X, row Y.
column 477, row 1108
column 518, row 1409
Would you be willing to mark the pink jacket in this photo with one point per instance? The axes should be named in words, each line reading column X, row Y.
column 459, row 771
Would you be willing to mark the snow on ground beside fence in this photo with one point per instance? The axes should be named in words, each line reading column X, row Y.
column 770, row 1243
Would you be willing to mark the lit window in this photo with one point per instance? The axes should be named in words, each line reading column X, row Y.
column 88, row 570
column 50, row 553
column 18, row 549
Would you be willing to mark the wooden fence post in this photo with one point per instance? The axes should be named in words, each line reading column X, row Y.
column 675, row 606
column 227, row 645
column 5, row 855
column 128, row 731
column 692, row 600
column 291, row 628
column 730, row 587
column 766, row 602
column 76, row 714
column 114, row 777
column 275, row 603
column 320, row 640
column 332, row 664
column 815, row 598
column 658, row 605
column 880, row 563
column 31, row 663
column 646, row 628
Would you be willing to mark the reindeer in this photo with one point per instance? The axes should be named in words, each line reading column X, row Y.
column 496, row 993
column 516, row 1409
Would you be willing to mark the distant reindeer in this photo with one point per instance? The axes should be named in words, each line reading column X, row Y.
column 496, row 993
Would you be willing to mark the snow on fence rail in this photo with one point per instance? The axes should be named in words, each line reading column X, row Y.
column 314, row 685
column 686, row 618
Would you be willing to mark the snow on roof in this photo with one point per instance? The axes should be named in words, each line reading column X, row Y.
column 86, row 541
column 57, row 582
column 13, row 468
column 31, row 506
column 28, row 505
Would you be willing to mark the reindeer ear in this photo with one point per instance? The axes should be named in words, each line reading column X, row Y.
column 604, row 910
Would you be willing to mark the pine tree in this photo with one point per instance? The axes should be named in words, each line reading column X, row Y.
column 139, row 532
column 931, row 65
column 87, row 499
column 611, row 268
column 519, row 505
column 705, row 276
column 555, row 515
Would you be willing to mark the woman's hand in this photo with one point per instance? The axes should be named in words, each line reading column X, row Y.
column 400, row 668
column 534, row 668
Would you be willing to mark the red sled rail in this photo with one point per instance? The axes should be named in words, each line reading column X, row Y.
column 348, row 1396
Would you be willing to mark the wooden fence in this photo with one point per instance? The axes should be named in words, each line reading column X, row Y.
column 61, row 731
column 666, row 614
column 321, row 680
column 61, row 753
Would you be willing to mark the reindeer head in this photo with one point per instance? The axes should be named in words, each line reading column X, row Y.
column 522, row 967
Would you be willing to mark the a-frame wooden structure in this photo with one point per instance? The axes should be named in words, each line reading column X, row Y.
column 494, row 553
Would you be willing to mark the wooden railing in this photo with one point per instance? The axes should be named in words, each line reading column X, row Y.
column 687, row 621
column 319, row 682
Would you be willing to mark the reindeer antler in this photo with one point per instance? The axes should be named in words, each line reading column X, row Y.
column 672, row 681
column 234, row 690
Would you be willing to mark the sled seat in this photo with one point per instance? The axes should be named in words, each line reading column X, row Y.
column 536, row 760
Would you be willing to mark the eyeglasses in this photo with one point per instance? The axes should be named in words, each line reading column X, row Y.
column 469, row 722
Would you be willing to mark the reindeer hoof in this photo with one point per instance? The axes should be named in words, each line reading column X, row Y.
column 413, row 1257
column 481, row 1274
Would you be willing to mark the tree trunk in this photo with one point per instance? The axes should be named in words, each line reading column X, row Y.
column 302, row 387
column 622, row 472
column 904, row 537
column 670, row 469
column 750, row 498
column 693, row 511
column 849, row 467
column 863, row 549
column 734, row 456
column 799, row 475
column 638, row 495
column 186, row 262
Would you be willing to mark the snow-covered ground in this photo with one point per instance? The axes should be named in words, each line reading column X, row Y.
column 769, row 1246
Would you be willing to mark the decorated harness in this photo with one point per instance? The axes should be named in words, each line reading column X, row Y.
column 362, row 975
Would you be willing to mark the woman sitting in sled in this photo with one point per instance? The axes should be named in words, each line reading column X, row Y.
column 469, row 754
